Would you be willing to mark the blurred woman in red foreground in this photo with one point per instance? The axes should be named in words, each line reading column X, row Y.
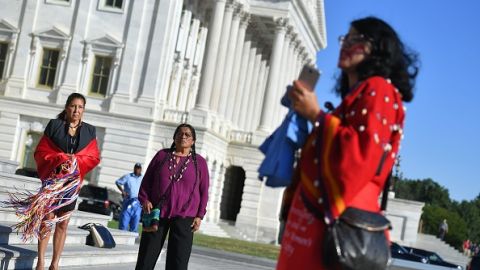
column 343, row 152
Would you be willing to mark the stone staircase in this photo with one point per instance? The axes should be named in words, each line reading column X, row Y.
column 447, row 252
column 14, row 254
column 213, row 229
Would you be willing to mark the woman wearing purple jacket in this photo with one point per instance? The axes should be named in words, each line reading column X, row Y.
column 176, row 182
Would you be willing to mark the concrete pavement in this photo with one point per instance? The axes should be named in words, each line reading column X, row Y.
column 202, row 259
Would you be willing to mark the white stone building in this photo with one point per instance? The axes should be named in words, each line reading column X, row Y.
column 147, row 65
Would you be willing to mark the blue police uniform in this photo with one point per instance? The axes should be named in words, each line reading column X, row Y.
column 131, row 208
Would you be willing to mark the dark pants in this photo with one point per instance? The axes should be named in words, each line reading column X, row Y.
column 180, row 238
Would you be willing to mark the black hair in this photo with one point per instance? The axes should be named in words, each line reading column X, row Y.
column 193, row 152
column 70, row 98
column 389, row 58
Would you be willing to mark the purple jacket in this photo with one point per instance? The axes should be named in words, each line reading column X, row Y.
column 156, row 181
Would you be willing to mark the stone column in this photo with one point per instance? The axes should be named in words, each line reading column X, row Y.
column 11, row 51
column 206, row 83
column 19, row 79
column 253, row 93
column 233, row 83
column 197, row 68
column 247, row 90
column 258, row 216
column 130, row 74
column 114, row 72
column 304, row 59
column 30, row 81
column 178, row 65
column 222, row 53
column 187, row 73
column 241, row 81
column 268, row 107
column 259, row 92
column 214, row 178
column 225, row 89
column 281, row 87
column 295, row 71
column 60, row 71
column 291, row 60
column 216, row 193
column 154, row 83
column 300, row 58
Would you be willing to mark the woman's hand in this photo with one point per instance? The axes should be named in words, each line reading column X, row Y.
column 196, row 224
column 147, row 207
column 304, row 101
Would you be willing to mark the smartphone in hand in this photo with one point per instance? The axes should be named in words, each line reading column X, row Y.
column 309, row 77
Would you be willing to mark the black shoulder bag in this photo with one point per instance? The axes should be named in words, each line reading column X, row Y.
column 147, row 218
column 356, row 239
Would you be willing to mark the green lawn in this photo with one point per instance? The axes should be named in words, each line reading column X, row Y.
column 237, row 246
column 227, row 244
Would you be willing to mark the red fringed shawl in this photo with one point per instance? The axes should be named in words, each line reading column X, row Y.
column 62, row 175
column 48, row 157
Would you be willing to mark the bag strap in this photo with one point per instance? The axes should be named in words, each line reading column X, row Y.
column 328, row 217
column 86, row 226
column 386, row 187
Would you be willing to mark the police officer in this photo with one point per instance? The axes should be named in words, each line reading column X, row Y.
column 129, row 185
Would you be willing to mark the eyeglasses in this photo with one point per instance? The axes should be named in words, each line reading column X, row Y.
column 349, row 40
column 186, row 134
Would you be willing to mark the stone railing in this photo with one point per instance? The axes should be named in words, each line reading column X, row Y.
column 175, row 116
column 241, row 136
column 8, row 166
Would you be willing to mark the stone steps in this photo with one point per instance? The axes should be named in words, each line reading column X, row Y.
column 14, row 254
column 78, row 218
column 233, row 231
column 75, row 235
column 447, row 252
column 213, row 229
column 25, row 256
column 19, row 181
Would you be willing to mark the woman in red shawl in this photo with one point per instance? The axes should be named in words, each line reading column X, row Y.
column 342, row 154
column 66, row 152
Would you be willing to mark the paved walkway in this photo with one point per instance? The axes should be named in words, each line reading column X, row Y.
column 203, row 259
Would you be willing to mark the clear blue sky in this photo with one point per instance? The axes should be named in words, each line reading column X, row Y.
column 442, row 126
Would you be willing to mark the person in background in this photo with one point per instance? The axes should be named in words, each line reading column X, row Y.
column 129, row 185
column 466, row 247
column 443, row 229
column 175, row 183
column 350, row 151
column 66, row 152
column 473, row 249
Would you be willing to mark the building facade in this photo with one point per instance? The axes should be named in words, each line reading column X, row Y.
column 147, row 65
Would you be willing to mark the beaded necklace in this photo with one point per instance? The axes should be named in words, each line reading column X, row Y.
column 176, row 174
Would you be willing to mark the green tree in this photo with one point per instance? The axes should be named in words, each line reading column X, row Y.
column 427, row 191
column 470, row 212
column 433, row 216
